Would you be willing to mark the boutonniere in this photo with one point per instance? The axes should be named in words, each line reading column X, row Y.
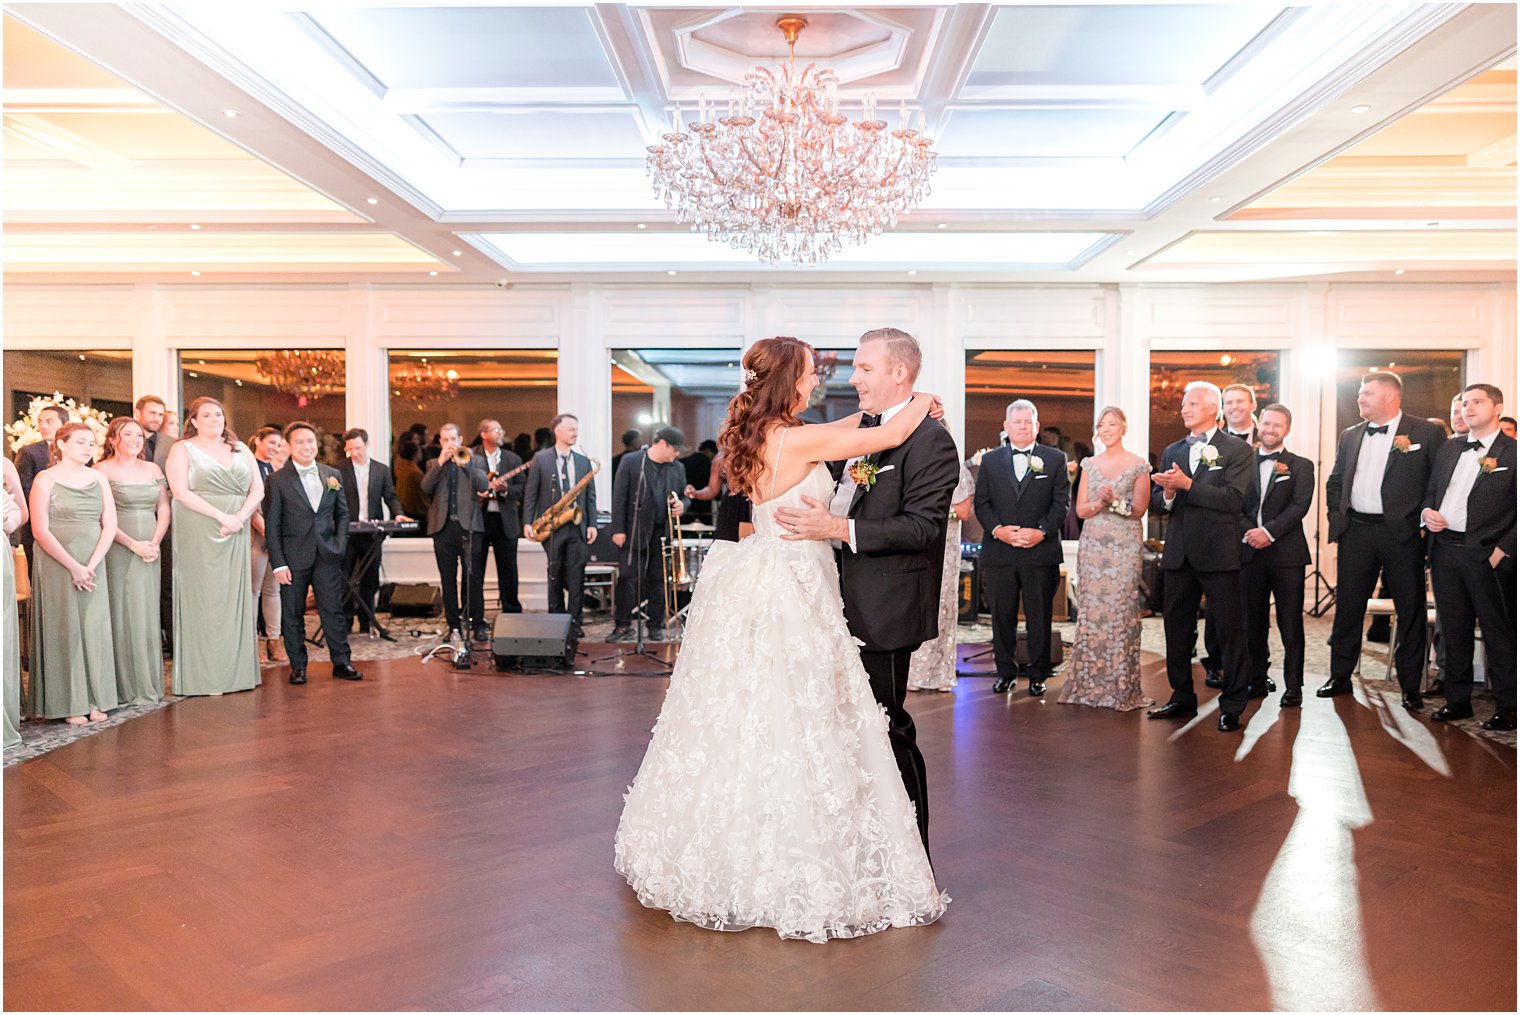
column 1279, row 468
column 1401, row 444
column 1487, row 465
column 1036, row 464
column 864, row 472
column 1209, row 455
column 333, row 484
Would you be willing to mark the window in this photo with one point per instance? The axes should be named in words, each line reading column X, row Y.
column 1171, row 372
column 519, row 388
column 98, row 378
column 1432, row 377
column 270, row 387
column 1060, row 384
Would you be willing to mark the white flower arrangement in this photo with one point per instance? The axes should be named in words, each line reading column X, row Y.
column 1209, row 455
column 1120, row 507
column 25, row 431
column 1036, row 464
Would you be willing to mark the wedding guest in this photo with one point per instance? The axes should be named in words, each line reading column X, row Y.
column 132, row 563
column 451, row 487
column 1113, row 494
column 646, row 485
column 496, row 528
column 34, row 459
column 73, row 523
column 522, row 446
column 370, row 492
column 1470, row 515
column 162, row 429
column 151, row 412
column 733, row 520
column 216, row 487
column 1274, row 554
column 1373, row 500
column 554, row 474
column 932, row 665
column 307, row 525
column 14, row 514
column 1021, row 499
column 632, row 441
column 267, row 447
column 1203, row 483
column 408, row 475
column 1507, row 426
column 1458, row 422
column 1239, row 411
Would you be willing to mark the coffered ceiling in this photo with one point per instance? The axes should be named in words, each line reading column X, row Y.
column 477, row 142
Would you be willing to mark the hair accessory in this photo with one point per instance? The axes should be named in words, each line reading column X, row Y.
column 749, row 377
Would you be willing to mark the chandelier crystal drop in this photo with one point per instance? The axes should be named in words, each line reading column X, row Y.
column 423, row 386
column 307, row 374
column 784, row 174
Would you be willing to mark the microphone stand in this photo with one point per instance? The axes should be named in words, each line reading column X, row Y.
column 1324, row 592
column 641, row 598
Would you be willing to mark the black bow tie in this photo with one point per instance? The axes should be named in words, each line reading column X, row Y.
column 867, row 420
column 1376, row 429
column 1243, row 436
column 1026, row 452
column 1473, row 446
column 1269, row 458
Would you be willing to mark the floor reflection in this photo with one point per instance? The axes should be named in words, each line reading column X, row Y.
column 1403, row 725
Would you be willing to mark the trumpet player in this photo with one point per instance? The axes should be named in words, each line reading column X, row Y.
column 451, row 484
column 496, row 527
column 648, row 486
column 556, row 471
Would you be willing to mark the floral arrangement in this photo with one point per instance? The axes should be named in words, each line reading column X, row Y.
column 1487, row 465
column 25, row 431
column 864, row 472
column 1401, row 444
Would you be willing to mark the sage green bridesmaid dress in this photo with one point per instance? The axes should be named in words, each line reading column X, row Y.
column 73, row 664
column 134, row 598
column 12, row 647
column 214, row 629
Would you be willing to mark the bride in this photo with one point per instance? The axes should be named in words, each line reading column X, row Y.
column 769, row 796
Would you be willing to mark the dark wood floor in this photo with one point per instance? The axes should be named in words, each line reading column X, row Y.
column 427, row 839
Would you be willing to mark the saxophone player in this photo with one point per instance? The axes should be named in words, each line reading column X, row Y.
column 647, row 486
column 555, row 471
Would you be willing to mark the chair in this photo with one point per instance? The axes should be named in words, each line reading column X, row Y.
column 601, row 579
column 1385, row 608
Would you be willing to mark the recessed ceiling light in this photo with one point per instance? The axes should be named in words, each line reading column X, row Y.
column 1215, row 199
column 1361, row 107
column 194, row 226
column 458, row 253
column 194, row 374
column 672, row 271
column 942, row 225
column 231, row 114
column 1398, row 271
column 237, row 381
column 196, row 274
column 372, row 200
column 643, row 225
column 912, row 271
column 1130, row 253
column 81, row 357
column 433, row 273
column 201, row 362
column 1431, row 224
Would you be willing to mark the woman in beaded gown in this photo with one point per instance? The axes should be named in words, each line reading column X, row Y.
column 769, row 796
column 73, row 667
column 932, row 667
column 1112, row 495
column 132, row 564
column 13, row 511
column 216, row 489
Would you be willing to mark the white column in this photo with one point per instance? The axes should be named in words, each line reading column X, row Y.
column 1124, row 365
column 367, row 394
column 944, row 369
column 155, row 366
column 585, row 381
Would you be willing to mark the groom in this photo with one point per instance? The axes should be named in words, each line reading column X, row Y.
column 891, row 538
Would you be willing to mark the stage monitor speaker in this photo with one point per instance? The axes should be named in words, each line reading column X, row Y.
column 539, row 641
column 413, row 601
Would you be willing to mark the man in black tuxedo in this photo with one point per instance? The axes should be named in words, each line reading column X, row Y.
column 306, row 531
column 369, row 490
column 1022, row 497
column 1470, row 514
column 1274, row 553
column 1239, row 412
column 496, row 527
column 450, row 487
column 33, row 459
column 555, row 472
column 1203, row 482
column 647, row 484
column 1373, row 500
column 891, row 541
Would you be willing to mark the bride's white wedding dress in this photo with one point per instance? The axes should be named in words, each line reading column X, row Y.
column 769, row 796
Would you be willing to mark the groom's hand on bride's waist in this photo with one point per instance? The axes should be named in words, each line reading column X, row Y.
column 812, row 522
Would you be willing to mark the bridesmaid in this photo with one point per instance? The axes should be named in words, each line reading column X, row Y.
column 932, row 666
column 1112, row 496
column 13, row 506
column 73, row 523
column 216, row 489
column 132, row 563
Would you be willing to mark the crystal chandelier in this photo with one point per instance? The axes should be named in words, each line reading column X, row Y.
column 308, row 374
column 422, row 385
column 786, row 175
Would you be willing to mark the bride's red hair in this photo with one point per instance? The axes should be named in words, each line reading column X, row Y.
column 772, row 366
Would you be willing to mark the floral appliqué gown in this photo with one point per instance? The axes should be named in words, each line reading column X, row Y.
column 769, row 796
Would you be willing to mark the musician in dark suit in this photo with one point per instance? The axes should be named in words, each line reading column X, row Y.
column 1204, row 480
column 306, row 532
column 556, row 470
column 1274, row 554
column 1470, row 514
column 450, row 487
column 1373, row 500
column 369, row 490
column 647, row 483
column 1022, row 496
column 496, row 527
column 33, row 459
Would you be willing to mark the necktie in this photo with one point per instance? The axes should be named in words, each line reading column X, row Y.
column 1197, row 438
column 1269, row 458
column 564, row 474
column 868, row 420
column 1376, row 429
column 312, row 484
column 1473, row 446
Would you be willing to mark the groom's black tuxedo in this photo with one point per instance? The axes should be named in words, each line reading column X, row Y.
column 890, row 582
column 311, row 544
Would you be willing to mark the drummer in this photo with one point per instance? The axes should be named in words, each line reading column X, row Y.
column 699, row 465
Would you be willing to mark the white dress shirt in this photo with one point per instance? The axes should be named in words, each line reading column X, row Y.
column 844, row 493
column 1371, row 463
column 311, row 481
column 1454, row 504
column 1195, row 452
column 1021, row 462
column 493, row 461
column 1265, row 477
column 361, row 480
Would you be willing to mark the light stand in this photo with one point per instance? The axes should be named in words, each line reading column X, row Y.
column 639, row 613
column 1323, row 591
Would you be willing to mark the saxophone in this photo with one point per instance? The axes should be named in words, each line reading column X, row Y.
column 566, row 510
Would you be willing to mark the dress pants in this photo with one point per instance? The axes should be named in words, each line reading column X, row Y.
column 451, row 548
column 1260, row 582
column 1366, row 549
column 1183, row 588
column 640, row 556
column 1006, row 585
column 368, row 583
column 568, row 554
column 325, row 577
column 888, row 672
column 1468, row 590
column 266, row 589
column 1213, row 654
column 503, row 544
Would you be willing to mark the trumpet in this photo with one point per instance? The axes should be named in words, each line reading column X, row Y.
column 673, row 556
column 463, row 456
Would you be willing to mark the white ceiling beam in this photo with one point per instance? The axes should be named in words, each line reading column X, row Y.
column 422, row 101
column 66, row 144
column 1499, row 155
column 1164, row 98
column 949, row 59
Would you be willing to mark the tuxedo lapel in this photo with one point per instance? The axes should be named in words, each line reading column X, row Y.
column 1357, row 434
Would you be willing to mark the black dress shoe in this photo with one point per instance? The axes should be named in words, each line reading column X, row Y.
column 1036, row 686
column 1413, row 701
column 1500, row 721
column 1213, row 678
column 1229, row 722
column 624, row 633
column 347, row 672
column 1450, row 713
column 1002, row 684
column 481, row 633
column 1293, row 697
column 1437, row 689
column 298, row 676
column 1333, row 688
column 1172, row 710
column 655, row 634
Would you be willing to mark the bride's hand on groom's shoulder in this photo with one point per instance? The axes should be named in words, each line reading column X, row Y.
column 936, row 406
